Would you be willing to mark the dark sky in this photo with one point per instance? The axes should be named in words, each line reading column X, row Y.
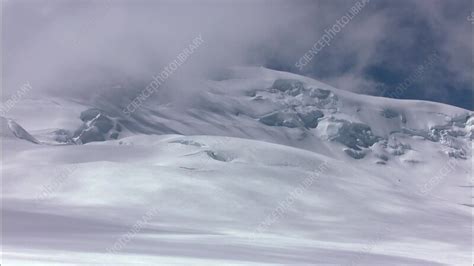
column 72, row 46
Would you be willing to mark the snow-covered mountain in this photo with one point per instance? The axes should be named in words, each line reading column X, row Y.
column 257, row 167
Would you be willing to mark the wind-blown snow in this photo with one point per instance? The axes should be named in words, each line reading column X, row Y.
column 263, row 167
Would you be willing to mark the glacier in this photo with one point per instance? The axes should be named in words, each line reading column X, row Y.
column 229, row 178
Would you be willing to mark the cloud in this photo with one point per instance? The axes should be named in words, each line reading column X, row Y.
column 76, row 48
column 385, row 43
column 73, row 48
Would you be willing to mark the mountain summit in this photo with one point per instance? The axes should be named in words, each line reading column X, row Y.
column 262, row 166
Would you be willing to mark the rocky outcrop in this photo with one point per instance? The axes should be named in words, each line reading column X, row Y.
column 97, row 126
column 11, row 129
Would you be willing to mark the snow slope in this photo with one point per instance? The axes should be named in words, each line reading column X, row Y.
column 262, row 167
